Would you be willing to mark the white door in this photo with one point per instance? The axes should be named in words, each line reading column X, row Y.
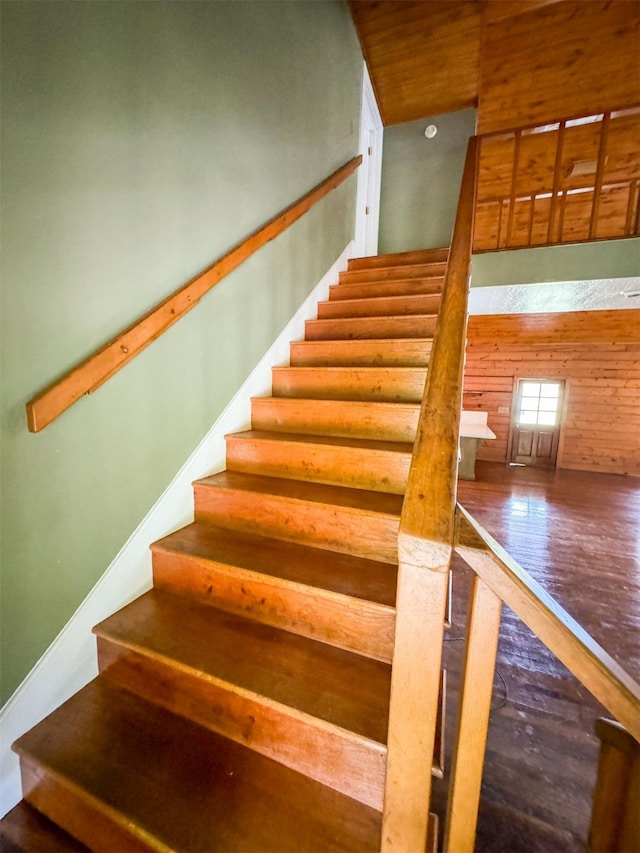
column 368, row 191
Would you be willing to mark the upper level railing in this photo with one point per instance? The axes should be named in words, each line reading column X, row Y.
column 566, row 181
column 87, row 376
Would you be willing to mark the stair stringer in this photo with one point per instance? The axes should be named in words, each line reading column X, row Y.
column 70, row 662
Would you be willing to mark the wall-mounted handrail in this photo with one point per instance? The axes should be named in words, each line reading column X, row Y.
column 499, row 579
column 424, row 548
column 105, row 362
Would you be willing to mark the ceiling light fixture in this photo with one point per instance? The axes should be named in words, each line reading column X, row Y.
column 430, row 131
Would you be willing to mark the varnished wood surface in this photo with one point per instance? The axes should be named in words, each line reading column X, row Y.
column 375, row 384
column 424, row 548
column 93, row 371
column 25, row 830
column 418, row 256
column 405, row 352
column 350, row 521
column 419, row 303
column 338, row 599
column 582, row 56
column 407, row 287
column 423, row 57
column 596, row 353
column 410, row 326
column 568, row 530
column 350, row 418
column 317, row 709
column 390, row 272
column 529, row 195
column 596, row 670
column 351, row 462
column 165, row 781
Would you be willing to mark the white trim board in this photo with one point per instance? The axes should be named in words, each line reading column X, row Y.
column 71, row 661
column 370, row 172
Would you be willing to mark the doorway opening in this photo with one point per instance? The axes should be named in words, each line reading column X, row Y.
column 535, row 431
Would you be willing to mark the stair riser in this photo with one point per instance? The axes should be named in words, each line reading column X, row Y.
column 344, row 529
column 393, row 273
column 401, row 287
column 389, row 384
column 350, row 764
column 366, row 353
column 87, row 819
column 418, row 256
column 384, row 421
column 356, row 626
column 353, row 467
column 380, row 306
column 370, row 327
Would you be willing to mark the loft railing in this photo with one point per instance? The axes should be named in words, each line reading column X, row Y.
column 87, row 376
column 432, row 525
column 566, row 181
column 499, row 579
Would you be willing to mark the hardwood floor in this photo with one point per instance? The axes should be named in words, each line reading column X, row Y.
column 577, row 534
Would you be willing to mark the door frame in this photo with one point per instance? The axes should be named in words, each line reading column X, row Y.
column 562, row 412
column 370, row 172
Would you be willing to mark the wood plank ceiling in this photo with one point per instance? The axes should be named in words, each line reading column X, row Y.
column 428, row 57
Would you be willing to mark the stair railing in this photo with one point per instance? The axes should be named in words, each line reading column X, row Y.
column 91, row 373
column 432, row 525
column 499, row 579
column 424, row 551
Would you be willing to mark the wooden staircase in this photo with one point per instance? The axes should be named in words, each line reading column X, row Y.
column 242, row 703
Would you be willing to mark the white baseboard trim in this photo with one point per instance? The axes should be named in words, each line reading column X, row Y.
column 70, row 661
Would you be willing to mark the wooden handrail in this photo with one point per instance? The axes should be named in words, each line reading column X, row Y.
column 499, row 579
column 102, row 364
column 428, row 509
column 424, row 550
column 599, row 673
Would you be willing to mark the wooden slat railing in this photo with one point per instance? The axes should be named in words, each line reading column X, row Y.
column 105, row 362
column 498, row 579
column 424, row 550
column 543, row 202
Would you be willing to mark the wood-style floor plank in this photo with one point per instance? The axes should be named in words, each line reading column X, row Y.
column 577, row 534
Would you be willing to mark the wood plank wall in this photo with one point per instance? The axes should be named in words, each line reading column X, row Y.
column 566, row 59
column 597, row 353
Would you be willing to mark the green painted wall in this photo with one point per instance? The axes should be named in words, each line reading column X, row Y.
column 140, row 142
column 575, row 262
column 420, row 187
column 421, row 181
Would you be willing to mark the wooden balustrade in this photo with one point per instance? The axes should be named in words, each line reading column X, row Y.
column 615, row 817
column 87, row 376
column 567, row 181
column 500, row 579
column 424, row 548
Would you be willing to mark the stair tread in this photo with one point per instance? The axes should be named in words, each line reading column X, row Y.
column 289, row 562
column 25, row 830
column 337, row 687
column 358, row 499
column 431, row 286
column 380, row 306
column 390, row 352
column 331, row 440
column 173, row 783
column 415, row 256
